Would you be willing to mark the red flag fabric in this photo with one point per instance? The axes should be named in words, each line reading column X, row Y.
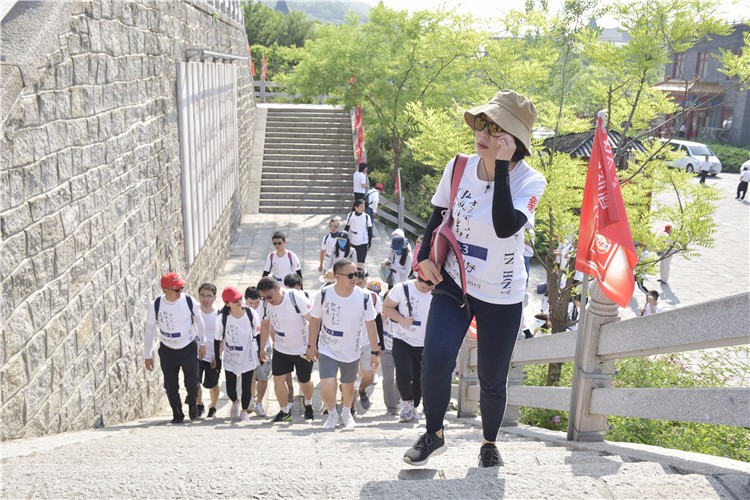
column 250, row 58
column 264, row 73
column 397, row 186
column 605, row 243
column 358, row 117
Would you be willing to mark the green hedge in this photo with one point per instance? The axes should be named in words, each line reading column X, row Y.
column 732, row 157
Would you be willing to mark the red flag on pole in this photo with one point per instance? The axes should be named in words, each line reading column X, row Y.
column 264, row 73
column 250, row 58
column 397, row 185
column 605, row 243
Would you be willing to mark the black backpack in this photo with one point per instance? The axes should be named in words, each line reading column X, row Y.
column 157, row 304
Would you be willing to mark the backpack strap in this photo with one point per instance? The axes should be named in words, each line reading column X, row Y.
column 366, row 296
column 250, row 317
column 224, row 317
column 294, row 301
column 157, row 305
column 459, row 165
column 291, row 264
column 406, row 294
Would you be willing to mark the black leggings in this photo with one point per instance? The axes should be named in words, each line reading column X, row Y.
column 247, row 379
column 408, row 361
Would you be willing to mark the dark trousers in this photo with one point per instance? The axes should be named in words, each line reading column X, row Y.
column 171, row 360
column 359, row 196
column 231, row 381
column 704, row 173
column 408, row 361
column 447, row 323
column 742, row 188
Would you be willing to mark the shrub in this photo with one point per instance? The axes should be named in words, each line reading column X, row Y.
column 731, row 157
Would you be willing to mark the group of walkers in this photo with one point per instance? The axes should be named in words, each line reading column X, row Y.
column 351, row 328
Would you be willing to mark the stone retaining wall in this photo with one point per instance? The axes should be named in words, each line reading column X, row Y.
column 90, row 201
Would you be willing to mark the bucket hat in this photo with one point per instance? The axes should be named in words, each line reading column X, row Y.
column 514, row 112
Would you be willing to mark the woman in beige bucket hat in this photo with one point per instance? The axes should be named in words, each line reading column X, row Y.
column 496, row 199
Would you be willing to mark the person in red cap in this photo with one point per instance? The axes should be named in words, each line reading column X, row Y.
column 237, row 326
column 372, row 200
column 174, row 313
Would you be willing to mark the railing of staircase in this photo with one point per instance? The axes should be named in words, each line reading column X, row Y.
column 231, row 8
column 600, row 340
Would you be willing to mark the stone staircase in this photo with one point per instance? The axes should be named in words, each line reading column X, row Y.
column 308, row 160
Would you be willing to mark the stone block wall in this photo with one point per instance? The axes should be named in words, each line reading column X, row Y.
column 90, row 201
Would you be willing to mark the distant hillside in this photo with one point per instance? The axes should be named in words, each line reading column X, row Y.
column 327, row 11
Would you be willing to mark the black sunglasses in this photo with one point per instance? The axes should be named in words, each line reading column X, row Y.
column 348, row 275
column 493, row 128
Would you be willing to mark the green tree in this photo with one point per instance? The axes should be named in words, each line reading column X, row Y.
column 396, row 59
column 267, row 27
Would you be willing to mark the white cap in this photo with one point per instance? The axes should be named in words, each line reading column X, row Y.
column 398, row 232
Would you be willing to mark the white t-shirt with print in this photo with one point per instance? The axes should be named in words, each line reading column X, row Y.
column 209, row 320
column 279, row 267
column 420, row 306
column 387, row 336
column 358, row 225
column 495, row 270
column 340, row 333
column 328, row 246
column 373, row 200
column 352, row 255
column 401, row 273
column 240, row 348
column 745, row 176
column 176, row 324
column 289, row 325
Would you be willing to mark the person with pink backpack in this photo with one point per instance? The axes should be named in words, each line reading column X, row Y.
column 473, row 252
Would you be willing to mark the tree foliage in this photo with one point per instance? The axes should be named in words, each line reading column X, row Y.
column 267, row 27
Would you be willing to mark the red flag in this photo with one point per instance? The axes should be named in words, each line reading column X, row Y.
column 605, row 243
column 358, row 117
column 250, row 58
column 264, row 73
column 397, row 185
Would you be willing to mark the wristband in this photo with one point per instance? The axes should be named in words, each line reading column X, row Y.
column 375, row 353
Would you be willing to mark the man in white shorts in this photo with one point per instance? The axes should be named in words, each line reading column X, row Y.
column 287, row 311
column 337, row 315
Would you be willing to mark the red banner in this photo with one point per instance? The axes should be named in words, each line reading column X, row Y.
column 605, row 243
column 397, row 186
column 264, row 74
column 250, row 58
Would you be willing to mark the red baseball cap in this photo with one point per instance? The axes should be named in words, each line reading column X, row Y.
column 231, row 294
column 172, row 281
column 379, row 186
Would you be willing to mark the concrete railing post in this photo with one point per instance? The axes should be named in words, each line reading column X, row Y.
column 590, row 372
column 516, row 376
column 468, row 379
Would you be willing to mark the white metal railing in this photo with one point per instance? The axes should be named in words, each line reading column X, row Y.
column 600, row 340
column 207, row 107
column 232, row 8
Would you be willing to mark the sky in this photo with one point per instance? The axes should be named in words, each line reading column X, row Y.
column 732, row 11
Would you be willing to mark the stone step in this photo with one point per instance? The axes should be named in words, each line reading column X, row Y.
column 304, row 162
column 303, row 209
column 290, row 120
column 308, row 127
column 301, row 155
column 301, row 148
column 307, row 112
column 288, row 134
column 332, row 140
column 281, row 187
column 303, row 177
column 291, row 195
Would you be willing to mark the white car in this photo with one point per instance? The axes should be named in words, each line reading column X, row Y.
column 694, row 153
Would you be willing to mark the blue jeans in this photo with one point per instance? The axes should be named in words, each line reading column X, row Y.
column 447, row 323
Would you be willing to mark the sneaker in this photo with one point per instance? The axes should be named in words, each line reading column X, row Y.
column 364, row 401
column 193, row 412
column 211, row 412
column 407, row 412
column 234, row 412
column 283, row 416
column 415, row 415
column 177, row 419
column 244, row 416
column 489, row 456
column 201, row 409
column 259, row 410
column 427, row 445
column 348, row 420
column 309, row 415
column 332, row 421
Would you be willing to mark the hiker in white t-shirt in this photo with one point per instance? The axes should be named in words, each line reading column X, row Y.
column 704, row 167
column 360, row 181
column 337, row 315
column 744, row 180
column 399, row 261
column 652, row 306
column 175, row 315
column 207, row 375
column 261, row 374
column 236, row 328
column 359, row 227
column 372, row 200
column 366, row 373
column 491, row 203
column 287, row 312
column 328, row 245
column 281, row 261
column 407, row 306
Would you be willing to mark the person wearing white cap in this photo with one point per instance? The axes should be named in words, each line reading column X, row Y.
column 490, row 203
column 399, row 261
column 237, row 327
column 175, row 314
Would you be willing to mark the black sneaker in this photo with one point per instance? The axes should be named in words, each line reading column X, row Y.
column 211, row 412
column 309, row 415
column 283, row 416
column 489, row 456
column 193, row 412
column 364, row 401
column 427, row 445
column 178, row 419
column 201, row 410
